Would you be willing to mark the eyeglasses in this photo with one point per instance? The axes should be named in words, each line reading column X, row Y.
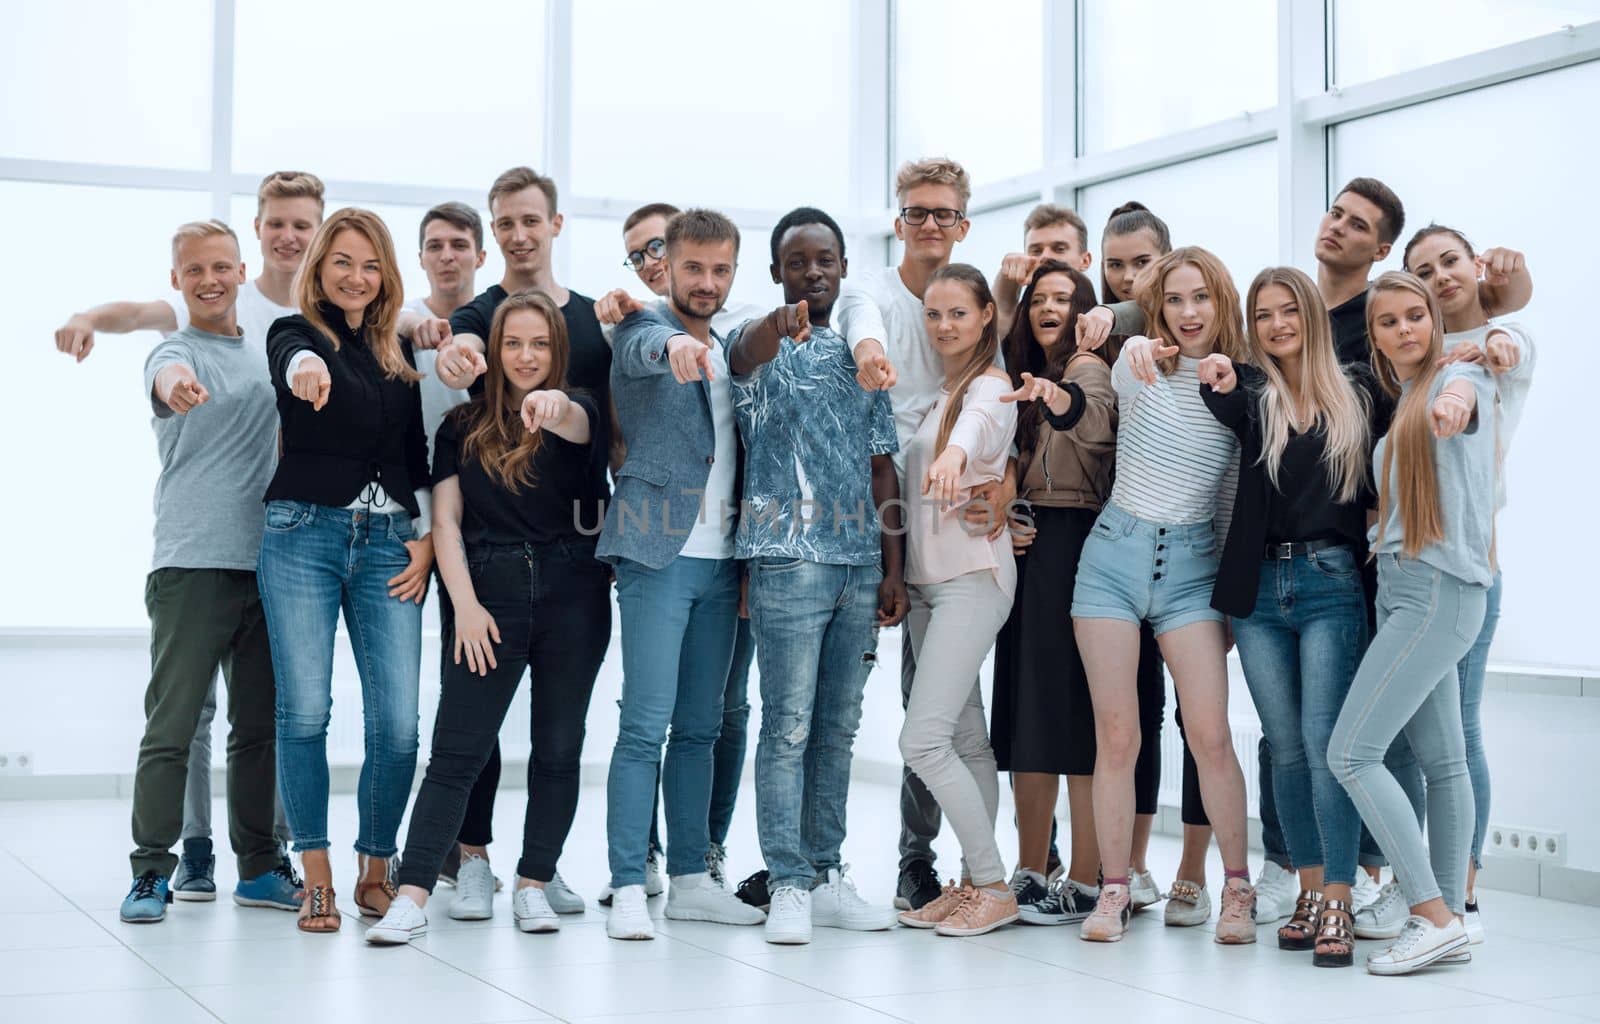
column 656, row 249
column 943, row 216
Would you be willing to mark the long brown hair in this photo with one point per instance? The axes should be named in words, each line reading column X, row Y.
column 494, row 432
column 1411, row 430
column 982, row 357
column 1025, row 354
column 1224, row 297
column 1326, row 397
column 381, row 313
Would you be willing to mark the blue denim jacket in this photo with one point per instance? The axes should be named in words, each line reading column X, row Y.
column 671, row 443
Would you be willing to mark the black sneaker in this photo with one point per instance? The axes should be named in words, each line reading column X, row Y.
column 452, row 864
column 1027, row 888
column 753, row 890
column 1066, row 903
column 194, row 880
column 918, row 886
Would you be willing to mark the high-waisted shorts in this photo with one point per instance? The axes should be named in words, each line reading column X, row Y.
column 1137, row 570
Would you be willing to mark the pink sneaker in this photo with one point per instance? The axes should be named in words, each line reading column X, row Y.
column 1237, row 923
column 938, row 908
column 983, row 911
column 1109, row 921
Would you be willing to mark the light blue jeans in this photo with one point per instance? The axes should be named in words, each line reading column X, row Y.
column 316, row 560
column 1472, row 670
column 1427, row 620
column 816, row 635
column 678, row 627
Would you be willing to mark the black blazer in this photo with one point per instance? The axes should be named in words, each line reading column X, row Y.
column 1239, row 574
column 369, row 432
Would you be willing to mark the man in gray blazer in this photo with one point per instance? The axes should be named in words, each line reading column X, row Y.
column 669, row 532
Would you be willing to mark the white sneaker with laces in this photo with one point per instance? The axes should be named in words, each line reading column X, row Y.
column 1419, row 944
column 1386, row 917
column 530, row 906
column 836, row 904
column 474, row 895
column 630, row 917
column 1142, row 890
column 1365, row 892
column 697, row 898
column 655, row 880
column 1276, row 893
column 789, row 918
column 561, row 897
column 403, row 922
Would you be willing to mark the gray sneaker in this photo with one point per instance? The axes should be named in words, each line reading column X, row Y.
column 194, row 881
column 561, row 897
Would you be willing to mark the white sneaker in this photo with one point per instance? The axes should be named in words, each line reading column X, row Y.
column 1474, row 924
column 717, row 864
column 1365, row 892
column 789, row 917
column 1420, row 943
column 836, row 904
column 1276, row 893
column 697, row 898
column 1188, row 905
column 561, row 897
column 403, row 922
column 1386, row 917
column 1142, row 890
column 655, row 880
column 530, row 907
column 630, row 918
column 474, row 895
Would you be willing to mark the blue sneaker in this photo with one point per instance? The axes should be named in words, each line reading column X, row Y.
column 146, row 902
column 278, row 889
column 193, row 881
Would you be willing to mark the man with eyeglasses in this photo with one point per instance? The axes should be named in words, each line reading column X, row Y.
column 644, row 242
column 933, row 196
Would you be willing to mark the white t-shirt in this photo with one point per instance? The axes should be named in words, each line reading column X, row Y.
column 919, row 368
column 712, row 533
column 255, row 312
column 437, row 399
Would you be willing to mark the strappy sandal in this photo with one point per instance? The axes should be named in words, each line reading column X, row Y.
column 318, row 906
column 1301, row 932
column 365, row 889
column 1333, row 927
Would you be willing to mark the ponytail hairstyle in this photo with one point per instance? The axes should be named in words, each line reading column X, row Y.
column 492, row 425
column 1130, row 218
column 1330, row 401
column 381, row 314
column 1024, row 353
column 982, row 357
column 1224, row 297
column 1411, row 430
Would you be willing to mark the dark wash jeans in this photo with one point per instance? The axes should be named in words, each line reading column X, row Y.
column 552, row 605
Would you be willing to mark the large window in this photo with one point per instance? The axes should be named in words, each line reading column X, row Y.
column 1552, row 169
column 1373, row 38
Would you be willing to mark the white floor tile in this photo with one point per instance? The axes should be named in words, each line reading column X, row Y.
column 1072, row 1000
column 475, row 950
column 56, row 929
column 96, row 968
column 421, row 999
column 592, row 990
column 920, row 962
column 835, row 1011
column 1582, row 1007
column 148, row 1006
column 1525, row 971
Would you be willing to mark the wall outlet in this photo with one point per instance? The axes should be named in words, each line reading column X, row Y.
column 16, row 762
column 1541, row 844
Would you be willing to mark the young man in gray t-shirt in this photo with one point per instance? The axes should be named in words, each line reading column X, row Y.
column 215, row 414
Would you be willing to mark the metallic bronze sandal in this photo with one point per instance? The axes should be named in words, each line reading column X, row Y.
column 1301, row 931
column 1334, row 927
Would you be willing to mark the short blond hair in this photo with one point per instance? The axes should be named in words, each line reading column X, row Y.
column 289, row 185
column 938, row 170
column 200, row 229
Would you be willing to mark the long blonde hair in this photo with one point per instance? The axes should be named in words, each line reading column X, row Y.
column 1224, row 296
column 982, row 356
column 382, row 312
column 1411, row 430
column 1328, row 399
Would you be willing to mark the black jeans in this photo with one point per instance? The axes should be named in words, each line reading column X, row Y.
column 477, row 828
column 552, row 606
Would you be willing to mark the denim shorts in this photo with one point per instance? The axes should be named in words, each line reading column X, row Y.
column 1137, row 570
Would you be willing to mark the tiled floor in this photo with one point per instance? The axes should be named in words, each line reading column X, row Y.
column 64, row 956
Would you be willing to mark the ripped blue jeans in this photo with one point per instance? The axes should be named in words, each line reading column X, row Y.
column 815, row 628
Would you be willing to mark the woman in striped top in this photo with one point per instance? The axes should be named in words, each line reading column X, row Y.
column 1152, row 555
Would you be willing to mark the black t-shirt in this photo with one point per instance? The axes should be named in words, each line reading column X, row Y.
column 588, row 366
column 1301, row 507
column 1349, row 330
column 567, row 494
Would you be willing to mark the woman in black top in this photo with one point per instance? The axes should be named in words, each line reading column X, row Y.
column 519, row 493
column 347, row 525
column 1289, row 578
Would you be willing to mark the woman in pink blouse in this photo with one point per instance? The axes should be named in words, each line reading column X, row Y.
column 961, row 585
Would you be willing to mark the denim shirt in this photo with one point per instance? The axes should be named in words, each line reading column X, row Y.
column 810, row 432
